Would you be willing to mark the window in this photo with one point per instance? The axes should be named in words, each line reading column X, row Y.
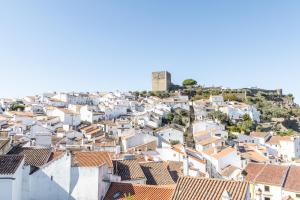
column 267, row 188
column 297, row 195
column 267, row 198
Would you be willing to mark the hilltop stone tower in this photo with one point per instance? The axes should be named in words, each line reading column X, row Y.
column 161, row 81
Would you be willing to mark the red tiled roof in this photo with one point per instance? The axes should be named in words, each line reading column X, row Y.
column 267, row 174
column 128, row 169
column 91, row 159
column 224, row 152
column 156, row 173
column 203, row 189
column 139, row 192
column 10, row 163
column 292, row 182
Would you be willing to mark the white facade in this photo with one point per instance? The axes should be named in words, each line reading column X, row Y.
column 50, row 182
column 194, row 161
column 288, row 148
column 89, row 115
column 11, row 185
column 169, row 134
column 219, row 160
column 58, row 180
column 209, row 127
column 80, row 99
column 66, row 116
column 87, row 183
column 216, row 100
column 136, row 140
column 236, row 111
column 41, row 135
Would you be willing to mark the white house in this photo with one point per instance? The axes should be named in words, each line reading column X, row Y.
column 133, row 139
column 78, row 176
column 73, row 98
column 41, row 135
column 66, row 116
column 208, row 127
column 287, row 147
column 218, row 159
column 169, row 134
column 260, row 137
column 202, row 108
column 91, row 175
column 11, row 169
column 216, row 100
column 193, row 162
column 209, row 142
column 51, row 181
column 273, row 182
column 27, row 118
column 91, row 114
column 236, row 110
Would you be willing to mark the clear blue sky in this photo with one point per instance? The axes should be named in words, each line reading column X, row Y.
column 70, row 45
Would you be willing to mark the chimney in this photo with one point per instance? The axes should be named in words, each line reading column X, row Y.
column 185, row 162
column 226, row 195
column 216, row 150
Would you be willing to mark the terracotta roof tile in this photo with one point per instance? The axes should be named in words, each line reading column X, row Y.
column 253, row 170
column 55, row 155
column 175, row 169
column 259, row 134
column 227, row 171
column 224, row 152
column 266, row 173
column 254, row 156
column 156, row 173
column 128, row 169
column 10, row 163
column 91, row 159
column 203, row 189
column 292, row 182
column 276, row 139
column 36, row 157
column 139, row 192
column 209, row 141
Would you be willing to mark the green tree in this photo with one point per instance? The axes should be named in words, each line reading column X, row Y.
column 218, row 115
column 17, row 107
column 174, row 142
column 189, row 82
column 178, row 120
column 246, row 117
column 230, row 97
column 170, row 117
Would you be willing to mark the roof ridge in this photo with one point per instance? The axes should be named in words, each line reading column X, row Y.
column 212, row 179
column 260, row 171
column 285, row 176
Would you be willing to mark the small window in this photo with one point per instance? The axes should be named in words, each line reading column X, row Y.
column 267, row 188
column 297, row 195
column 51, row 178
column 267, row 198
column 117, row 195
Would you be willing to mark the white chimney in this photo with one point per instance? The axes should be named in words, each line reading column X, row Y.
column 185, row 162
column 226, row 195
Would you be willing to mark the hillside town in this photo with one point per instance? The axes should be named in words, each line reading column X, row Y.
column 176, row 142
